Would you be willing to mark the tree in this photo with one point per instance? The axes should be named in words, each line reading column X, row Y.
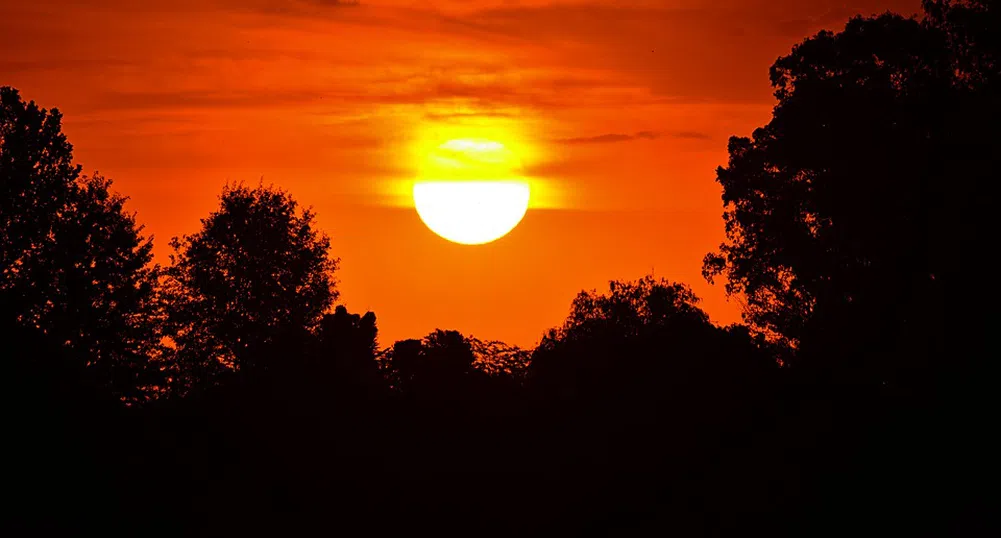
column 498, row 359
column 449, row 352
column 343, row 333
column 844, row 213
column 346, row 349
column 643, row 365
column 257, row 276
column 628, row 309
column 73, row 264
column 635, row 341
column 968, row 163
column 436, row 365
column 970, row 28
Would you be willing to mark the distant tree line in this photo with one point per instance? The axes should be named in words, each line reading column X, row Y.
column 227, row 392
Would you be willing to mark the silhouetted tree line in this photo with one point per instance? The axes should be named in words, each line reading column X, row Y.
column 226, row 393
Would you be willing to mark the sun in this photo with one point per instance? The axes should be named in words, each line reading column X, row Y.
column 471, row 212
column 469, row 191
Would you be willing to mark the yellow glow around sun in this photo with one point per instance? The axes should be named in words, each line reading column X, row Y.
column 469, row 191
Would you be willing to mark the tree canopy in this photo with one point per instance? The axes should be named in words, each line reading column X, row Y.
column 74, row 264
column 846, row 215
column 256, row 274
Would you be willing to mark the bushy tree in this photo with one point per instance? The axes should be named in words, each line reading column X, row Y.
column 73, row 263
column 256, row 277
column 628, row 309
column 970, row 28
column 436, row 365
column 343, row 333
column 499, row 359
column 846, row 214
column 345, row 350
column 636, row 340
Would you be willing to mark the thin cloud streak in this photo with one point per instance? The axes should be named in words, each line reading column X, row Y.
column 610, row 138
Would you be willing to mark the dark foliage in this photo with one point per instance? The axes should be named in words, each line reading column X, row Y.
column 258, row 275
column 435, row 366
column 648, row 333
column 850, row 216
column 347, row 343
column 73, row 264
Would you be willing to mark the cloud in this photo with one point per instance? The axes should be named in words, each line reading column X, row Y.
column 295, row 7
column 460, row 117
column 639, row 135
column 611, row 137
column 459, row 63
column 694, row 135
column 444, row 100
column 681, row 48
column 832, row 19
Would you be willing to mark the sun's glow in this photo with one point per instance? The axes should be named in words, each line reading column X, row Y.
column 469, row 191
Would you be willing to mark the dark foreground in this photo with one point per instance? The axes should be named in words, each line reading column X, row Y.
column 776, row 454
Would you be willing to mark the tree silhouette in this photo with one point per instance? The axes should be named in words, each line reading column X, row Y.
column 345, row 349
column 635, row 341
column 970, row 28
column 73, row 264
column 968, row 163
column 402, row 362
column 496, row 358
column 843, row 213
column 349, row 334
column 448, row 352
column 629, row 309
column 257, row 275
column 437, row 365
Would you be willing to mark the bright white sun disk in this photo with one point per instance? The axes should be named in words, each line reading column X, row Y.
column 471, row 212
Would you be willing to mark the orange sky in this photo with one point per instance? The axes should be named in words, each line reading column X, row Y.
column 327, row 99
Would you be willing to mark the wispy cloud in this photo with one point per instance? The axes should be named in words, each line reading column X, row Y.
column 639, row 135
column 694, row 135
column 611, row 137
column 295, row 7
column 462, row 116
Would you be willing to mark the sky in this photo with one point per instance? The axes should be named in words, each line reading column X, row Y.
column 619, row 112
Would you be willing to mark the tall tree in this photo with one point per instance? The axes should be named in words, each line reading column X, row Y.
column 73, row 264
column 844, row 213
column 256, row 276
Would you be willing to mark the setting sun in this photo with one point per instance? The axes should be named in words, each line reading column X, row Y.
column 471, row 212
column 469, row 191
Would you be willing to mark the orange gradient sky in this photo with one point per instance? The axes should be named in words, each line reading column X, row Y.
column 622, row 109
